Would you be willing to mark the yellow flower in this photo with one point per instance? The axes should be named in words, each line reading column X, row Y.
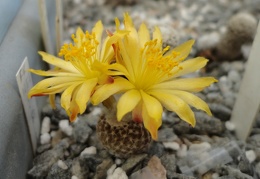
column 77, row 76
column 151, row 78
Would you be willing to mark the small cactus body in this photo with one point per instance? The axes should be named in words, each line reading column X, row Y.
column 123, row 139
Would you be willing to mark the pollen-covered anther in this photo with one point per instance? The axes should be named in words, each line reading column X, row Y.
column 84, row 47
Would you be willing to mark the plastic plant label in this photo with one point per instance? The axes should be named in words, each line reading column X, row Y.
column 248, row 99
column 24, row 81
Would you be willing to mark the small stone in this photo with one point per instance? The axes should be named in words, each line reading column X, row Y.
column 237, row 66
column 208, row 41
column 101, row 170
column 45, row 138
column 244, row 164
column 215, row 176
column 56, row 137
column 111, row 169
column 157, row 168
column 89, row 151
column 91, row 161
column 234, row 76
column 46, row 122
column 43, row 162
column 65, row 127
column 171, row 145
column 254, row 140
column 233, row 172
column 62, row 165
column 169, row 162
column 79, row 169
column 166, row 135
column 220, row 111
column 250, row 155
column 97, row 111
column 182, row 152
column 74, row 177
column 230, row 125
column 205, row 125
column 57, row 171
column 157, row 149
column 199, row 148
column 224, row 84
column 81, row 131
column 143, row 174
column 132, row 162
column 43, row 148
column 118, row 161
column 257, row 169
column 118, row 173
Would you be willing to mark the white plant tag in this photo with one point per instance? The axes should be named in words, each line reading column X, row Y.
column 248, row 99
column 24, row 81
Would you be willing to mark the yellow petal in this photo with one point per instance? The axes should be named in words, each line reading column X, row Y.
column 52, row 85
column 152, row 105
column 58, row 62
column 186, row 84
column 127, row 103
column 131, row 41
column 98, row 30
column 73, row 111
column 83, row 94
column 150, row 123
column 54, row 73
column 66, row 96
column 189, row 66
column 175, row 104
column 119, row 68
column 144, row 35
column 106, row 90
column 192, row 100
column 183, row 50
column 107, row 52
column 52, row 101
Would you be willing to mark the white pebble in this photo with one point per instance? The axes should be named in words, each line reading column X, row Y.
column 45, row 138
column 198, row 148
column 230, row 126
column 111, row 170
column 53, row 133
column 208, row 41
column 118, row 161
column 89, row 151
column 46, row 125
column 62, row 165
column 118, row 173
column 246, row 49
column 250, row 155
column 234, row 76
column 171, row 145
column 74, row 177
column 65, row 127
column 97, row 111
column 182, row 152
column 215, row 176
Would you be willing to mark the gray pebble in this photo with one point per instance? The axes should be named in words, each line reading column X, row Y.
column 132, row 162
column 169, row 162
column 220, row 111
column 81, row 131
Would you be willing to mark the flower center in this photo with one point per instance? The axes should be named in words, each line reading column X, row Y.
column 156, row 57
column 84, row 47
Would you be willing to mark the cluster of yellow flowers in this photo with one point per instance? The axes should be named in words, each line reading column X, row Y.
column 130, row 62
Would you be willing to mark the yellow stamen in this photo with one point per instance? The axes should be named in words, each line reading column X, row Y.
column 156, row 59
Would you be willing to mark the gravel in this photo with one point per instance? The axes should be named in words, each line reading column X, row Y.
column 209, row 150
